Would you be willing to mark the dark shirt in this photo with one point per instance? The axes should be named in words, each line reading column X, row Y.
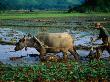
column 103, row 33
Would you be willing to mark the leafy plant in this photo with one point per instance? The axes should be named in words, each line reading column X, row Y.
column 51, row 71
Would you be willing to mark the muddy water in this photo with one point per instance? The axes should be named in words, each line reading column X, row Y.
column 12, row 33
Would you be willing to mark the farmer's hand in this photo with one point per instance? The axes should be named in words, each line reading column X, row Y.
column 95, row 39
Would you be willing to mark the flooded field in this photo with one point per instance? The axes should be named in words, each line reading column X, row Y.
column 81, row 28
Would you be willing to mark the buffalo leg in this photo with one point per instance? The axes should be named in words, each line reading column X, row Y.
column 42, row 53
column 42, row 57
column 65, row 56
column 75, row 54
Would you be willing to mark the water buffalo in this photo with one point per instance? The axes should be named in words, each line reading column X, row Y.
column 49, row 43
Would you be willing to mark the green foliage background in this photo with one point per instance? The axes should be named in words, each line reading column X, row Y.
column 37, row 4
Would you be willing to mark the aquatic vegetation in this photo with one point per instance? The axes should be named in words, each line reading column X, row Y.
column 9, row 36
column 0, row 39
column 57, row 71
column 13, row 40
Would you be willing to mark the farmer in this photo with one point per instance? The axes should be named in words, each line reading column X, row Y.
column 104, row 35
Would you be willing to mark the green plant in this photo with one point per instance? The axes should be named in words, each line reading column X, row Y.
column 50, row 71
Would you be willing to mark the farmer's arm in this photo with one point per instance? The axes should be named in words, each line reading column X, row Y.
column 103, row 33
column 97, row 38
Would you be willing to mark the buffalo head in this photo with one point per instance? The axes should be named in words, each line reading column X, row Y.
column 27, row 42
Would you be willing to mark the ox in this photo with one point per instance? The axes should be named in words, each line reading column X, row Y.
column 49, row 43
